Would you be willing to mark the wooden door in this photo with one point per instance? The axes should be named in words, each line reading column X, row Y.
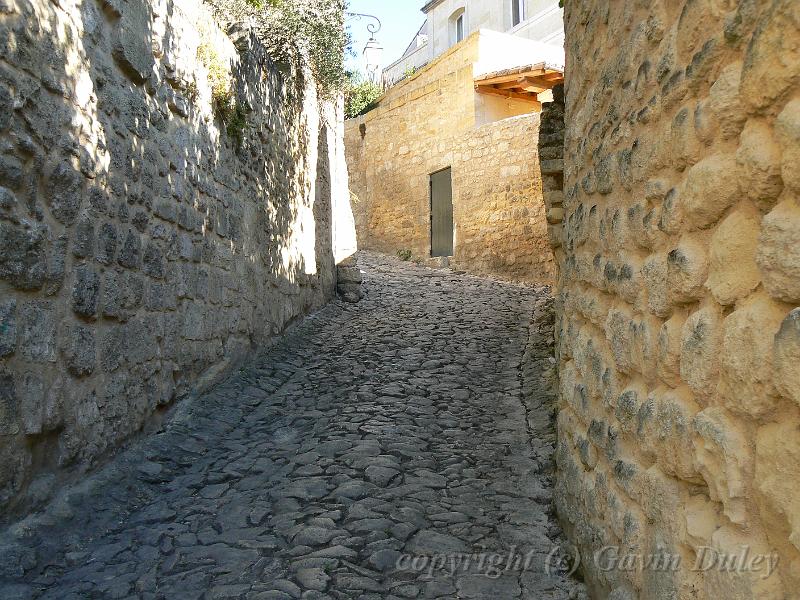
column 441, row 213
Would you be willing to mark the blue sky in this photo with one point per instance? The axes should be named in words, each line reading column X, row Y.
column 400, row 18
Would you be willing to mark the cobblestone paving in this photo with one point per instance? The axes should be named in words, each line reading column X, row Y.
column 350, row 460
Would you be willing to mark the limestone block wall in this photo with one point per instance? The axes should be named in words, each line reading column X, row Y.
column 143, row 248
column 429, row 122
column 679, row 326
column 498, row 214
column 391, row 151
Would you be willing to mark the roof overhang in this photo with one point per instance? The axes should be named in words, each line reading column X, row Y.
column 521, row 83
column 431, row 5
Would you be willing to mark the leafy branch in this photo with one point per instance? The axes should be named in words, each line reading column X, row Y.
column 292, row 29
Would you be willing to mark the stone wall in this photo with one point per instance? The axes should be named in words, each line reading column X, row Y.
column 497, row 208
column 432, row 121
column 679, row 326
column 144, row 249
column 551, row 160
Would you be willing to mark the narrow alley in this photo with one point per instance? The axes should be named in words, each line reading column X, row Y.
column 365, row 455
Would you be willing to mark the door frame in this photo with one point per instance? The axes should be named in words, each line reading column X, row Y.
column 430, row 211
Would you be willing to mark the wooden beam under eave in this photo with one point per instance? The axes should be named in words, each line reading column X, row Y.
column 515, row 76
column 525, row 83
column 534, row 89
column 509, row 84
column 532, row 98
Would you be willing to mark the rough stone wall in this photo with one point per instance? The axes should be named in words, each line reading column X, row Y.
column 143, row 251
column 551, row 159
column 679, row 332
column 428, row 123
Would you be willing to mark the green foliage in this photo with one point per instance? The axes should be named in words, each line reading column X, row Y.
column 410, row 71
column 236, row 123
column 227, row 106
column 360, row 96
column 561, row 3
column 219, row 77
column 292, row 29
column 404, row 254
column 316, row 26
column 192, row 91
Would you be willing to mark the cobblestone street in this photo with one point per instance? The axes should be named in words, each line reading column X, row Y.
column 351, row 459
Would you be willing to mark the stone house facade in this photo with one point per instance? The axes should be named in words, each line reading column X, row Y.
column 678, row 329
column 451, row 116
column 448, row 22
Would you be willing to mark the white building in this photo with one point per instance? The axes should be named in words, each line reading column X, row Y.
column 450, row 21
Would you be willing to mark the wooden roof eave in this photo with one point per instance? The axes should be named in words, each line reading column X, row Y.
column 523, row 83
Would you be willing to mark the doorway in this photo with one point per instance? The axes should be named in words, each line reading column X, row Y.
column 442, row 213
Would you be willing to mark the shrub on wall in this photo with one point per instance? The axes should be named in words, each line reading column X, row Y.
column 360, row 96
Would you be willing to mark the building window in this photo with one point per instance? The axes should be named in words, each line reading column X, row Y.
column 458, row 26
column 517, row 12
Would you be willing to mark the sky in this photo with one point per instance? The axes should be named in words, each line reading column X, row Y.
column 400, row 20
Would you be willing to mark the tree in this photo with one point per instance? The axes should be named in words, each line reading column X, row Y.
column 293, row 28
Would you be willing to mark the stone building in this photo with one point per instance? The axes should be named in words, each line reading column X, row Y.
column 145, row 246
column 679, row 284
column 446, row 164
